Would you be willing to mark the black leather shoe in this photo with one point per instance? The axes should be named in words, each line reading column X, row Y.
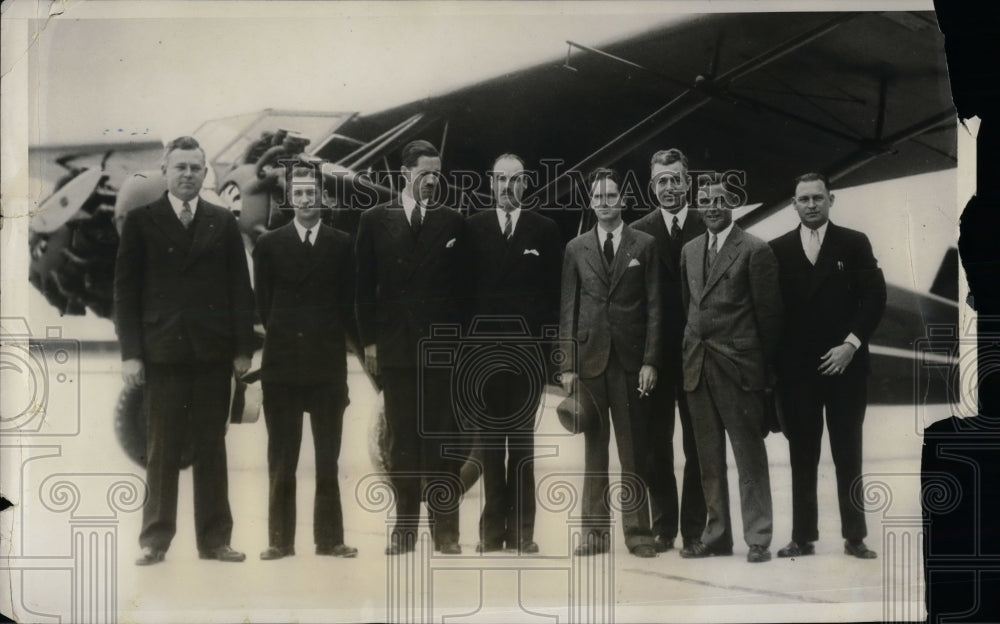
column 485, row 547
column 662, row 544
column 699, row 550
column 528, row 547
column 340, row 550
column 397, row 549
column 797, row 549
column 589, row 549
column 758, row 554
column 276, row 552
column 451, row 548
column 149, row 556
column 223, row 553
column 645, row 551
column 859, row 550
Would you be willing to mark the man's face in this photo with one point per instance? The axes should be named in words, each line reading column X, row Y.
column 422, row 179
column 508, row 183
column 304, row 203
column 185, row 172
column 670, row 185
column 606, row 201
column 716, row 213
column 812, row 201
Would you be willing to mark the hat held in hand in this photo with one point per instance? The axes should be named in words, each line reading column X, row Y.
column 578, row 411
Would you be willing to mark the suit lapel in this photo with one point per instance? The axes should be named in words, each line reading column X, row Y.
column 696, row 267
column 725, row 257
column 430, row 232
column 594, row 257
column 164, row 217
column 206, row 228
column 394, row 221
column 292, row 245
column 624, row 257
column 509, row 246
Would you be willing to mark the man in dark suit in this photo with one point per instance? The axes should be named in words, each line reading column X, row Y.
column 410, row 267
column 516, row 257
column 730, row 289
column 835, row 294
column 184, row 316
column 304, row 282
column 673, row 224
column 611, row 308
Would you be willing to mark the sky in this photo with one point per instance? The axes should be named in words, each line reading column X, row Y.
column 107, row 79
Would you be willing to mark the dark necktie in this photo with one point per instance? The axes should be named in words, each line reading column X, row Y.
column 308, row 242
column 186, row 215
column 712, row 251
column 609, row 248
column 508, row 228
column 675, row 229
column 416, row 221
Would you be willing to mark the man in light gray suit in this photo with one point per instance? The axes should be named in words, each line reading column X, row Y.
column 730, row 288
column 611, row 307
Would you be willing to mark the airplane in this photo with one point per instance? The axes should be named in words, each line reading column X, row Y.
column 861, row 97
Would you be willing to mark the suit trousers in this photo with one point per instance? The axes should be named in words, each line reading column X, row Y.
column 720, row 406
column 507, row 438
column 284, row 405
column 615, row 390
column 845, row 400
column 423, row 457
column 660, row 465
column 187, row 403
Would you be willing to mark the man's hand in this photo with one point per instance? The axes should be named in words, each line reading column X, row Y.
column 241, row 364
column 371, row 360
column 835, row 361
column 132, row 373
column 647, row 379
column 568, row 381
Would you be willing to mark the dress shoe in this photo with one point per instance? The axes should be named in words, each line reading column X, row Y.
column 451, row 548
column 662, row 544
column 645, row 551
column 797, row 549
column 758, row 554
column 223, row 553
column 149, row 556
column 699, row 550
column 340, row 550
column 276, row 552
column 859, row 550
column 527, row 547
column 589, row 549
column 485, row 547
column 397, row 549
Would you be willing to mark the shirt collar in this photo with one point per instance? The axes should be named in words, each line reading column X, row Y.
column 804, row 233
column 722, row 236
column 409, row 203
column 617, row 232
column 515, row 214
column 178, row 204
column 302, row 231
column 668, row 217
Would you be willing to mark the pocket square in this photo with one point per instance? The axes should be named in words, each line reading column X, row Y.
column 450, row 244
column 533, row 252
column 633, row 262
column 840, row 265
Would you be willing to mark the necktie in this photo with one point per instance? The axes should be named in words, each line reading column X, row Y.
column 675, row 229
column 812, row 249
column 308, row 242
column 186, row 215
column 609, row 248
column 508, row 227
column 416, row 221
column 712, row 249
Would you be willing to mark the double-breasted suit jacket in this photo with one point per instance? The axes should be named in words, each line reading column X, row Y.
column 517, row 286
column 408, row 284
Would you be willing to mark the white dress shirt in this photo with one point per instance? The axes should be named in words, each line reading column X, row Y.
column 515, row 214
column 409, row 203
column 668, row 217
column 301, row 229
column 178, row 204
column 602, row 235
column 804, row 234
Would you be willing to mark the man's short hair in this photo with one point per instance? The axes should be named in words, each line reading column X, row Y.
column 668, row 157
column 812, row 177
column 413, row 150
column 603, row 173
column 301, row 171
column 507, row 156
column 182, row 143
